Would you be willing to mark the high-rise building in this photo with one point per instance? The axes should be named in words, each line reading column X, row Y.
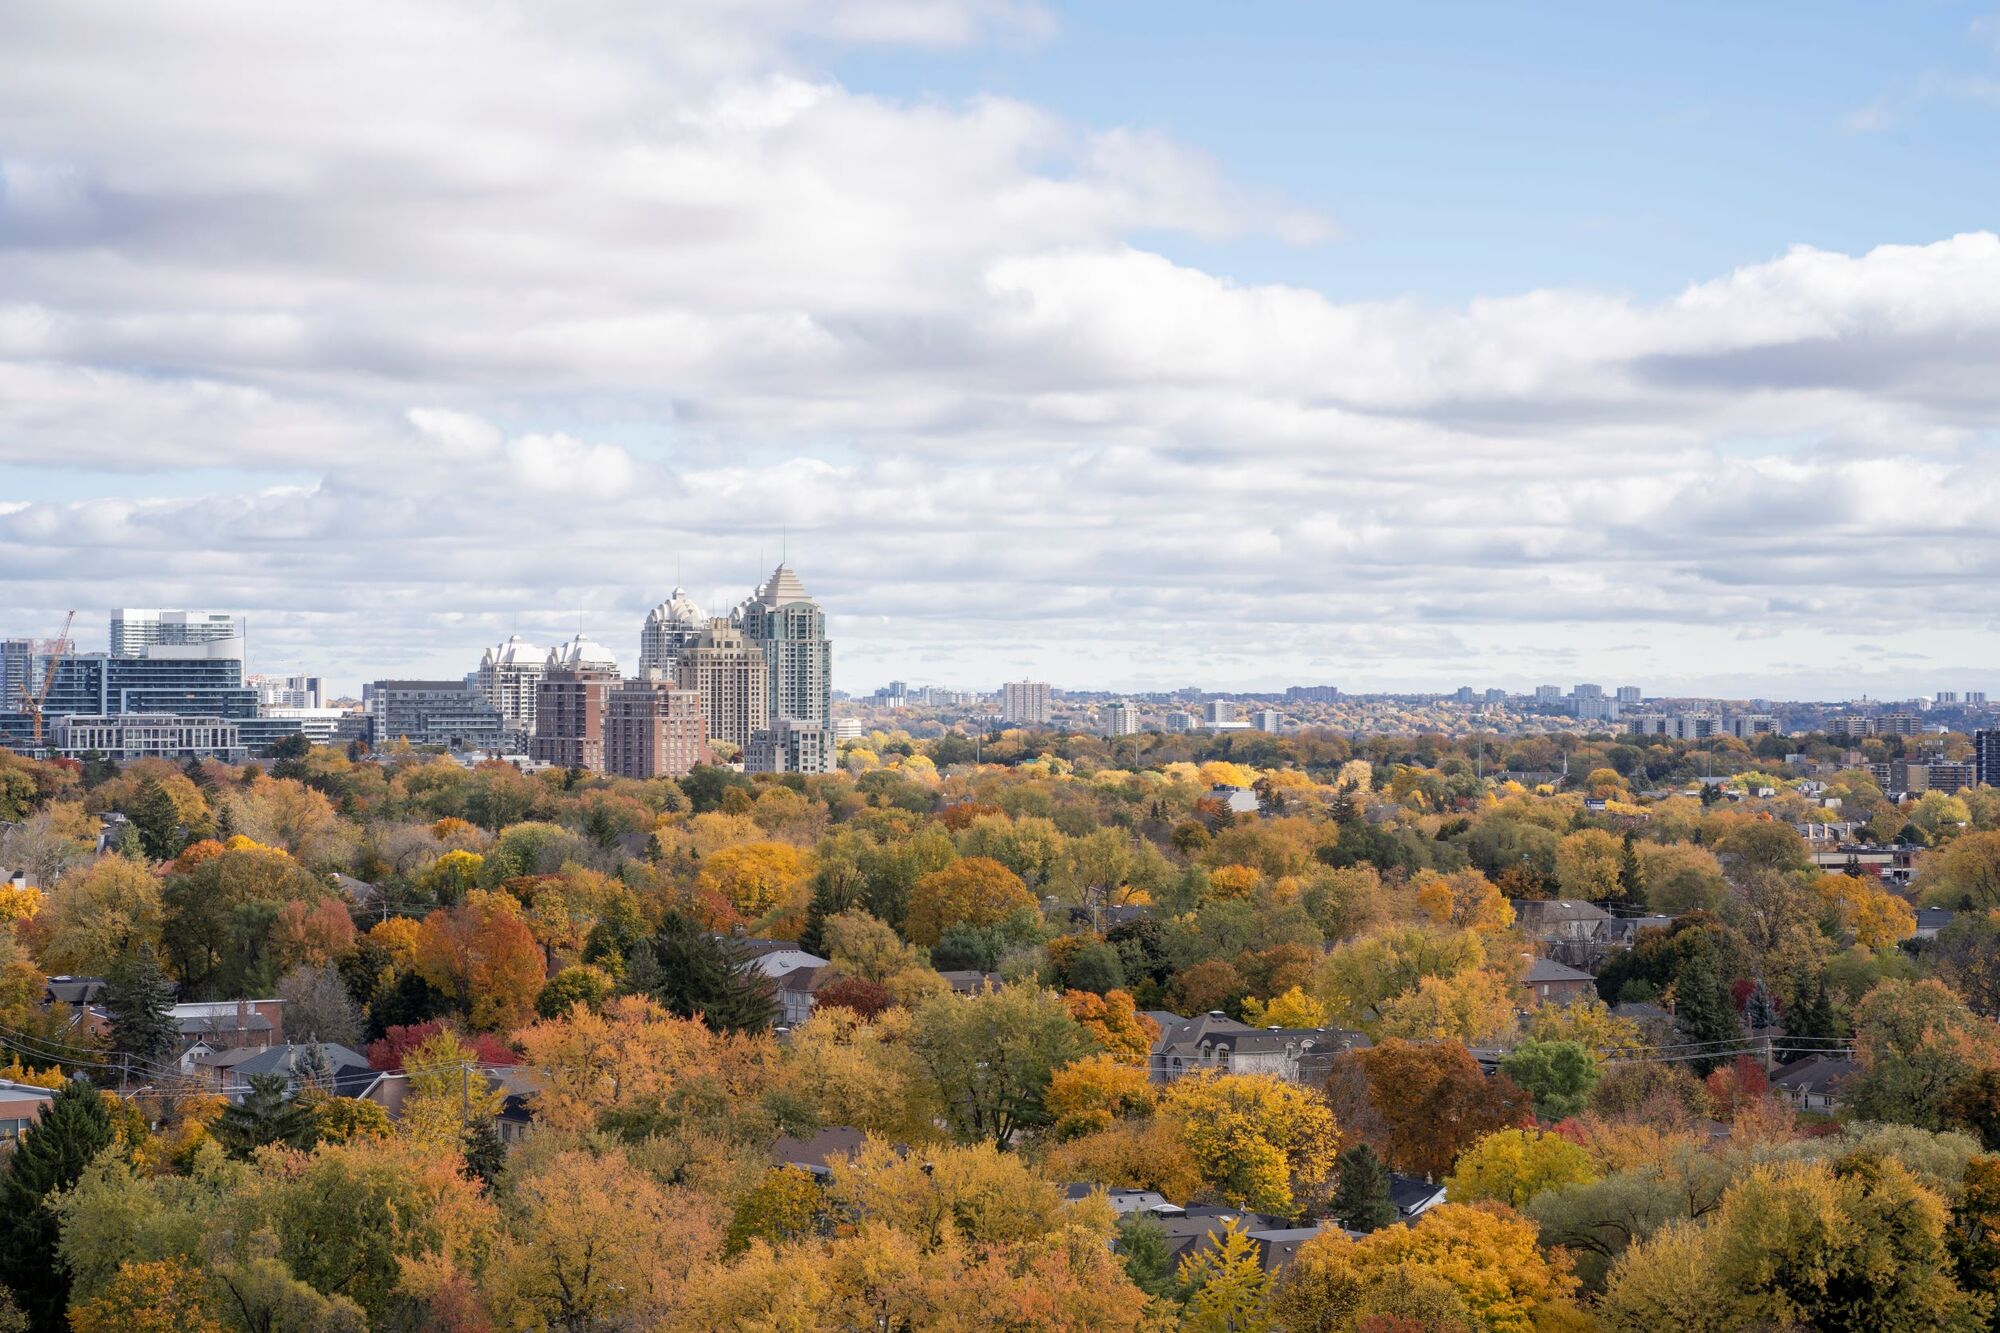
column 570, row 701
column 286, row 691
column 1986, row 757
column 132, row 628
column 1026, row 703
column 1181, row 720
column 1587, row 692
column 653, row 729
column 447, row 713
column 1976, row 698
column 1312, row 694
column 783, row 621
column 1945, row 698
column 1903, row 723
column 733, row 678
column 509, row 677
column 1596, row 708
column 184, row 680
column 23, row 663
column 1268, row 719
column 790, row 745
column 1629, row 696
column 1219, row 712
column 671, row 627
column 1749, row 726
column 1121, row 719
column 1548, row 694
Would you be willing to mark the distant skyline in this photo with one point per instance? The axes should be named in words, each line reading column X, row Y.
column 1396, row 348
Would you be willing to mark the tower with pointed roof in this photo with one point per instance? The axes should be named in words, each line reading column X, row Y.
column 508, row 675
column 671, row 628
column 785, row 622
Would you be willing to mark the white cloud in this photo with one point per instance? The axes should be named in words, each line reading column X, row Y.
column 410, row 321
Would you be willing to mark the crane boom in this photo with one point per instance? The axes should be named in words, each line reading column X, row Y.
column 41, row 696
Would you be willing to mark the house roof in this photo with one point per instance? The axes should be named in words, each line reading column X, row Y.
column 816, row 1150
column 1412, row 1194
column 1544, row 910
column 73, row 990
column 1818, row 1074
column 1934, row 918
column 1544, row 970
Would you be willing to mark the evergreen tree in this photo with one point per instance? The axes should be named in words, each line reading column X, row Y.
column 1811, row 1011
column 1148, row 1262
column 313, row 1070
column 158, row 820
column 138, row 1002
column 1362, row 1201
column 485, row 1155
column 690, row 971
column 1704, row 1013
column 264, row 1116
column 1631, row 878
column 49, row 1156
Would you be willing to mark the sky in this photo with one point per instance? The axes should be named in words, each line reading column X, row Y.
column 1123, row 346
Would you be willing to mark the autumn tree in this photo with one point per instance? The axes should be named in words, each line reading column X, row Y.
column 1258, row 1141
column 93, row 919
column 1512, row 1166
column 1588, row 865
column 483, row 957
column 1088, row 1095
column 1422, row 1104
column 753, row 879
column 1964, row 875
column 990, row 1056
column 1227, row 1285
column 974, row 891
column 595, row 1242
column 158, row 1296
column 1475, row 1264
column 786, row 1204
column 1114, row 1022
column 1916, row 1041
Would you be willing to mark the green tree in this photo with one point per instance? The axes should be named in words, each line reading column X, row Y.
column 138, row 1004
column 158, row 819
column 1704, row 1014
column 1916, row 1042
column 47, row 1159
column 1558, row 1074
column 1148, row 1262
column 1631, row 876
column 265, row 1115
column 991, row 1056
column 1362, row 1201
column 693, row 973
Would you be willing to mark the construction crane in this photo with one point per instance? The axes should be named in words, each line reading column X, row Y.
column 39, row 697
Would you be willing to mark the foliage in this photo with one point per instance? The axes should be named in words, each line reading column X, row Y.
column 48, row 1158
column 1512, row 1166
column 990, row 1056
column 1257, row 1141
column 1557, row 1074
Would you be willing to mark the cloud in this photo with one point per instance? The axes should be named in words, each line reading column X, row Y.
column 396, row 328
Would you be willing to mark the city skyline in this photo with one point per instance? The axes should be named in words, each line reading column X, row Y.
column 1252, row 350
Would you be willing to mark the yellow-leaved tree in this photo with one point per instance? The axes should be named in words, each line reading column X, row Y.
column 1258, row 1141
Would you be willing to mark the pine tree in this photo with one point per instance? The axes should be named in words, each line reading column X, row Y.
column 1704, row 1013
column 485, row 1155
column 1148, row 1262
column 1631, row 878
column 139, row 1002
column 1362, row 1201
column 49, row 1156
column 158, row 820
column 692, row 972
column 265, row 1116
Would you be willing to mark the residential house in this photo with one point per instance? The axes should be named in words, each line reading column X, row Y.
column 1550, row 982
column 1413, row 1196
column 1931, row 920
column 1216, row 1041
column 231, row 1070
column 798, row 991
column 21, row 1105
column 1815, row 1083
column 1568, row 929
